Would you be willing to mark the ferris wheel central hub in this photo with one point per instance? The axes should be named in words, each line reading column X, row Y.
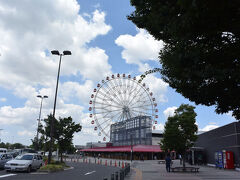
column 125, row 109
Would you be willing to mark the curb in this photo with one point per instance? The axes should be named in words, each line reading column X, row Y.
column 50, row 171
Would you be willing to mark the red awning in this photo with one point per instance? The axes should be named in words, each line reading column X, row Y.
column 136, row 148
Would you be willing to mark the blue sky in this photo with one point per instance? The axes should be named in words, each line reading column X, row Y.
column 103, row 42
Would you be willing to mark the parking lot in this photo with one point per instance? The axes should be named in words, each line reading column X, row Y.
column 78, row 171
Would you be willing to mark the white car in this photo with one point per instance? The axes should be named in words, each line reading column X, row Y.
column 25, row 162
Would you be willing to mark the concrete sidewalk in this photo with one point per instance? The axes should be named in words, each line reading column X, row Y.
column 151, row 170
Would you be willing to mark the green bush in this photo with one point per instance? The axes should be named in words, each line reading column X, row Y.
column 57, row 162
column 52, row 167
column 45, row 158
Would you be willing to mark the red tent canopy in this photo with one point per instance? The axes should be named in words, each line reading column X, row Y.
column 136, row 148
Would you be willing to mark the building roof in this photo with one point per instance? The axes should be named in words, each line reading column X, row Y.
column 136, row 148
column 157, row 131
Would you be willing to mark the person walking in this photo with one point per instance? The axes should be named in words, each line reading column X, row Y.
column 168, row 161
column 180, row 157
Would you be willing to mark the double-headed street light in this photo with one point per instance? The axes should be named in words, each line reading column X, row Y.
column 39, row 119
column 55, row 52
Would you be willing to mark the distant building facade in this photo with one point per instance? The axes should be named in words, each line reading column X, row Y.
column 157, row 136
column 95, row 144
column 223, row 138
column 134, row 131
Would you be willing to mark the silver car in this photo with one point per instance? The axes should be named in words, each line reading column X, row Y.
column 4, row 157
column 25, row 162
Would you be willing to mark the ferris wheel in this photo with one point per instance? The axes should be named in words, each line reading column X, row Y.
column 117, row 99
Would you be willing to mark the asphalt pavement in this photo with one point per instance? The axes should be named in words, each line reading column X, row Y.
column 151, row 170
column 81, row 171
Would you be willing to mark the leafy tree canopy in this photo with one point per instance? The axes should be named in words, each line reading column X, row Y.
column 65, row 130
column 38, row 144
column 201, row 56
column 12, row 146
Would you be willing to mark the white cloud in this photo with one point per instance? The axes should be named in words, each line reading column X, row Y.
column 27, row 68
column 11, row 115
column 3, row 99
column 169, row 111
column 25, row 133
column 27, row 34
column 139, row 48
column 158, row 87
column 75, row 90
column 143, row 67
column 209, row 127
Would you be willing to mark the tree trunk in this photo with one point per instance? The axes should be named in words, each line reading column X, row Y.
column 61, row 157
column 45, row 145
column 184, row 160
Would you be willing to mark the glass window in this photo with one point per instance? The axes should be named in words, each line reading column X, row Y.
column 24, row 157
column 142, row 133
column 39, row 157
column 137, row 134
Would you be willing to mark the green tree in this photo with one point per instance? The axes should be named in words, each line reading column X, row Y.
column 12, row 146
column 45, row 131
column 180, row 131
column 17, row 146
column 47, row 128
column 201, row 57
column 3, row 145
column 38, row 144
column 65, row 130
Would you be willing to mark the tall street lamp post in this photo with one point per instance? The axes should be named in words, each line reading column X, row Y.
column 39, row 119
column 55, row 52
column 131, row 139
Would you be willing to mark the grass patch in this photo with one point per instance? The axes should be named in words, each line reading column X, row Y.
column 54, row 166
column 60, row 163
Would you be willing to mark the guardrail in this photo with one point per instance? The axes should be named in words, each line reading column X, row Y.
column 119, row 175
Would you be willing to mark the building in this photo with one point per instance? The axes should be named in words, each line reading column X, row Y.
column 157, row 135
column 134, row 131
column 95, row 144
column 132, row 138
column 223, row 138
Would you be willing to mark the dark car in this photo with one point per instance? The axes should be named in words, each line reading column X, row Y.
column 4, row 157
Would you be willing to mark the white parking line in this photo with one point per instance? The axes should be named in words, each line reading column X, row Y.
column 6, row 175
column 89, row 173
column 68, row 168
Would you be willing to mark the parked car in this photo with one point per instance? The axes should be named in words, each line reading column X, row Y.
column 28, row 150
column 3, row 150
column 4, row 157
column 25, row 162
column 14, row 154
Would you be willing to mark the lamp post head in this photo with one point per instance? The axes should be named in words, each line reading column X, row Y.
column 39, row 96
column 55, row 52
column 67, row 53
